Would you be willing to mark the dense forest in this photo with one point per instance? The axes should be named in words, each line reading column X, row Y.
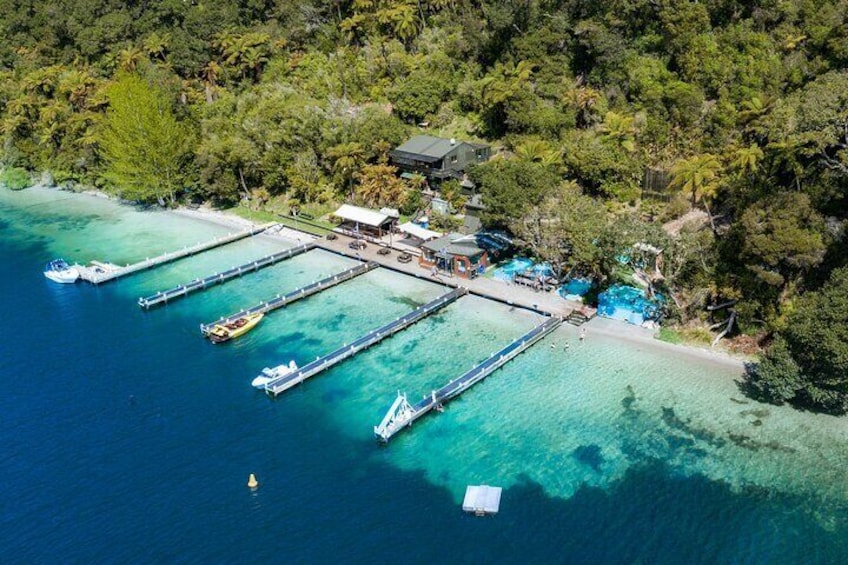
column 716, row 131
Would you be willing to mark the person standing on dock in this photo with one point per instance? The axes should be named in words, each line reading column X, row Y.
column 582, row 334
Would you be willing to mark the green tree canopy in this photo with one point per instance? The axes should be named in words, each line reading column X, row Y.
column 808, row 363
column 511, row 187
column 147, row 151
column 783, row 238
column 563, row 228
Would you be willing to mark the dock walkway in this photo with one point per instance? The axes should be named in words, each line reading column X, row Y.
column 281, row 384
column 295, row 295
column 402, row 414
column 514, row 295
column 179, row 291
column 98, row 272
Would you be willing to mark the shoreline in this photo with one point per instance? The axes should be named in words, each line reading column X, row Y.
column 642, row 336
column 602, row 326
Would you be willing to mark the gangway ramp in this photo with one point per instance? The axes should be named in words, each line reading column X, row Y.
column 181, row 290
column 402, row 414
column 295, row 295
column 99, row 272
column 281, row 384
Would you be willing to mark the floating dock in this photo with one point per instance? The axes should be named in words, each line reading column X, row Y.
column 402, row 414
column 179, row 291
column 98, row 272
column 286, row 382
column 482, row 500
column 295, row 295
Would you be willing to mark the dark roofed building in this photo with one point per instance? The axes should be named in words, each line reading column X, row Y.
column 455, row 253
column 438, row 159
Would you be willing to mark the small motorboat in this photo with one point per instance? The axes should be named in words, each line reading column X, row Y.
column 59, row 271
column 230, row 330
column 269, row 374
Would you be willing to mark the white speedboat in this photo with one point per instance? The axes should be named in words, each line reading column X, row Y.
column 59, row 271
column 269, row 374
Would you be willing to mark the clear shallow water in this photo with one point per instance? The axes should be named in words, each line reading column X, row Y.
column 128, row 437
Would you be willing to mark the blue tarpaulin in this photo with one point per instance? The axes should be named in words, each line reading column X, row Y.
column 629, row 303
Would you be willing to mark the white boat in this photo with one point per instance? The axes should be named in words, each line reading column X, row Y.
column 269, row 374
column 59, row 271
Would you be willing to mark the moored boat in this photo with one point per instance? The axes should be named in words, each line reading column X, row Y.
column 269, row 374
column 59, row 271
column 230, row 330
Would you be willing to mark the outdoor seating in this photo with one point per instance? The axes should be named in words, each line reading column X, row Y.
column 357, row 244
column 404, row 258
column 384, row 251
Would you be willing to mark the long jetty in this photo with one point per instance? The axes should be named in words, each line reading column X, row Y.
column 282, row 384
column 98, row 272
column 402, row 414
column 295, row 295
column 181, row 290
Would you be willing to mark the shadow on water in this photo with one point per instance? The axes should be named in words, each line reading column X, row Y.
column 589, row 455
column 405, row 300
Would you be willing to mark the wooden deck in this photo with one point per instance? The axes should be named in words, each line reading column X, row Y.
column 549, row 303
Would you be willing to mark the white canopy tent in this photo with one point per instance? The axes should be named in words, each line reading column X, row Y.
column 417, row 231
column 362, row 216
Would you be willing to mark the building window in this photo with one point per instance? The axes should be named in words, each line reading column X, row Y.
column 453, row 158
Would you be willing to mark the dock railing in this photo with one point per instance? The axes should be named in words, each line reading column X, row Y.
column 99, row 273
column 181, row 290
column 281, row 301
column 282, row 384
column 402, row 414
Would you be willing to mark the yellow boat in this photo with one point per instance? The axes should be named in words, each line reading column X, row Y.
column 230, row 330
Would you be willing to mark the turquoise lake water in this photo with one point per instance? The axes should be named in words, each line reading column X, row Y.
column 127, row 437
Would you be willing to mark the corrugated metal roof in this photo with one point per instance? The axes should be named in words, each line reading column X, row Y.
column 398, row 154
column 361, row 215
column 429, row 146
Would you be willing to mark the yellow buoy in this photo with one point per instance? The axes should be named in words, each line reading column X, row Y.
column 252, row 482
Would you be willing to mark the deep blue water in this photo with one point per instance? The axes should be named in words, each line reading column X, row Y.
column 127, row 438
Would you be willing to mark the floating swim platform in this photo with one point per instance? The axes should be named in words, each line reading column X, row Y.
column 482, row 500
